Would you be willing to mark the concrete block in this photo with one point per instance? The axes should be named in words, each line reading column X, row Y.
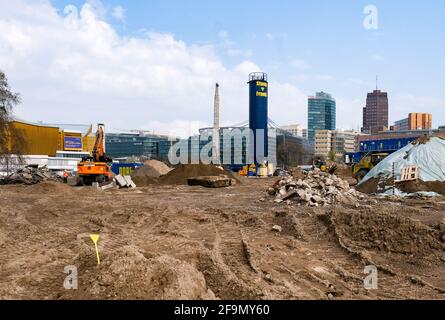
column 130, row 182
column 290, row 195
column 109, row 186
column 121, row 182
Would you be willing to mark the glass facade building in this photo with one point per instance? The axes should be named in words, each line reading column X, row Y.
column 234, row 146
column 321, row 114
column 123, row 145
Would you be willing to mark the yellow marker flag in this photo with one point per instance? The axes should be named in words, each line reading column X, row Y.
column 95, row 238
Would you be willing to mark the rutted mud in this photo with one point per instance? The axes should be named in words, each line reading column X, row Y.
column 180, row 242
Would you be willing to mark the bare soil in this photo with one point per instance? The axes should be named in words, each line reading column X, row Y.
column 181, row 242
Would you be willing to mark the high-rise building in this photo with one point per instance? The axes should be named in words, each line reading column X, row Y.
column 375, row 114
column 323, row 142
column 321, row 114
column 420, row 121
column 415, row 121
column 296, row 130
column 339, row 141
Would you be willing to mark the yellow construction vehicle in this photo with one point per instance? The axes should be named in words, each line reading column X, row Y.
column 369, row 161
column 96, row 168
column 325, row 166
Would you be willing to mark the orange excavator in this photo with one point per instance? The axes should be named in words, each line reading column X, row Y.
column 96, row 168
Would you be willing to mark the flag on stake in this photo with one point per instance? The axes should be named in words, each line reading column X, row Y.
column 95, row 239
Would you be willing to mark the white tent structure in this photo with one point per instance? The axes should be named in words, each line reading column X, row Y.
column 428, row 156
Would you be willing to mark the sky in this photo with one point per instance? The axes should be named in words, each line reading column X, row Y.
column 153, row 64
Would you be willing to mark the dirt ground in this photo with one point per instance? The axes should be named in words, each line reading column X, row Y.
column 181, row 242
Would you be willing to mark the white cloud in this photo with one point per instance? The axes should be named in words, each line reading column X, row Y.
column 87, row 73
column 223, row 34
column 349, row 112
column 313, row 77
column 299, row 64
column 230, row 48
column 400, row 105
column 119, row 13
column 276, row 36
column 377, row 57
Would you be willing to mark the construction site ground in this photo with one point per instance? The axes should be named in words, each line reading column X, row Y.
column 181, row 242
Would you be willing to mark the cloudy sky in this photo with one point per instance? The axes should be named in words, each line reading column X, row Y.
column 153, row 64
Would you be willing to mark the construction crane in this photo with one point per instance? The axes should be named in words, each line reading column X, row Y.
column 96, row 168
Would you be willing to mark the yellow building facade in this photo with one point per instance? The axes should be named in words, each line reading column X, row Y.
column 47, row 140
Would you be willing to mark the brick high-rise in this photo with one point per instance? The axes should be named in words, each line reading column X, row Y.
column 375, row 114
column 420, row 121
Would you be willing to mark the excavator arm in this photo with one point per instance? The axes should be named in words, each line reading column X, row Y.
column 99, row 145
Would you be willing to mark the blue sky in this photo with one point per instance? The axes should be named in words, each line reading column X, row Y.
column 406, row 51
column 305, row 46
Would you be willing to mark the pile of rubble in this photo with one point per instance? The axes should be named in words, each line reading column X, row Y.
column 29, row 175
column 316, row 189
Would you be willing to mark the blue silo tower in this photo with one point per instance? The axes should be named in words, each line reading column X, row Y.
column 258, row 115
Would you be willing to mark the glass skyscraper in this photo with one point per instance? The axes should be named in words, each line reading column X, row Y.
column 321, row 114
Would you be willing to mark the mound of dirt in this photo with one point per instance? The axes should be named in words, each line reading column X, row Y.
column 182, row 173
column 289, row 224
column 417, row 186
column 159, row 167
column 152, row 169
column 144, row 180
column 375, row 185
column 51, row 187
column 149, row 173
column 127, row 274
column 384, row 232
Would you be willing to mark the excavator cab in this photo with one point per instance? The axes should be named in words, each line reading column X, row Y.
column 96, row 168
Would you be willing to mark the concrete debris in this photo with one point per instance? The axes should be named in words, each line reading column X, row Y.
column 124, row 182
column 130, row 183
column 221, row 181
column 316, row 189
column 111, row 185
column 30, row 175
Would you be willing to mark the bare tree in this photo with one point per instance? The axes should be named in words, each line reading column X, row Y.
column 12, row 142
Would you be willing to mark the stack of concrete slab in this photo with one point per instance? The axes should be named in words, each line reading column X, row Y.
column 124, row 182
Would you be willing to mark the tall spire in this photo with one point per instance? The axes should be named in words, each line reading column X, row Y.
column 376, row 82
column 215, row 138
